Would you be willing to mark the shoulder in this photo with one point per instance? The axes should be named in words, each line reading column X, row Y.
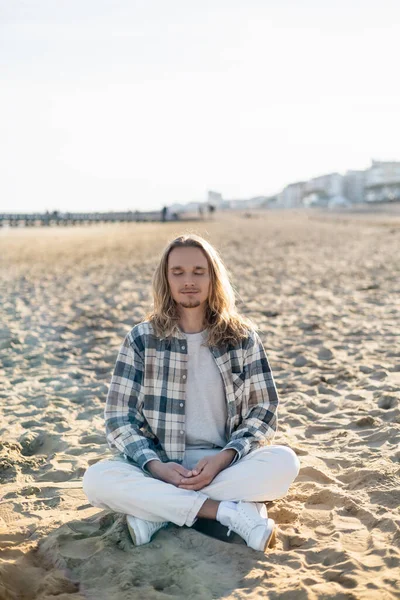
column 252, row 342
column 252, row 338
column 141, row 336
column 245, row 344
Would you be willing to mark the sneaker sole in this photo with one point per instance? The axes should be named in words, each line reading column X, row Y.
column 135, row 540
column 140, row 537
column 270, row 541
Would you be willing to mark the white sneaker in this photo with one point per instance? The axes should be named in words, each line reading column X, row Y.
column 262, row 509
column 141, row 530
column 248, row 522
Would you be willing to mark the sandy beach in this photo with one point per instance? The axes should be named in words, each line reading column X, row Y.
column 324, row 290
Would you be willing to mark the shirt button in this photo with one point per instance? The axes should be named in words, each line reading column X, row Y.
column 181, row 404
column 181, row 431
column 183, row 376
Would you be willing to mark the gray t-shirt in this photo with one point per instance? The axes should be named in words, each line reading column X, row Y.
column 206, row 409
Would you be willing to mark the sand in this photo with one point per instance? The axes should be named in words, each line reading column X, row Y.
column 324, row 290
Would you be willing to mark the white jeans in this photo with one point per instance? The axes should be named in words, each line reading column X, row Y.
column 262, row 475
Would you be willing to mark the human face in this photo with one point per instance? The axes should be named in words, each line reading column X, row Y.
column 188, row 276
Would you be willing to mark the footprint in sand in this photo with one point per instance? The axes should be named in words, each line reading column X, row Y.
column 388, row 401
column 60, row 475
column 283, row 515
column 366, row 421
column 93, row 438
column 314, row 474
column 339, row 577
column 378, row 375
column 325, row 353
column 31, row 442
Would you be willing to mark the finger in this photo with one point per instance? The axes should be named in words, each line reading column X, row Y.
column 193, row 480
column 182, row 471
column 198, row 470
column 191, row 487
column 199, row 467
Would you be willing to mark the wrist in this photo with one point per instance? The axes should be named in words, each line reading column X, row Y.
column 227, row 456
column 153, row 466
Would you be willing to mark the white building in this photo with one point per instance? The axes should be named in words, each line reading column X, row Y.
column 353, row 185
column 325, row 185
column 292, row 195
column 382, row 182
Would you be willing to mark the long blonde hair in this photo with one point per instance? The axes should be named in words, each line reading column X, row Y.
column 224, row 324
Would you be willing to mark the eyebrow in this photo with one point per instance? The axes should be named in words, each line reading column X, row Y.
column 181, row 268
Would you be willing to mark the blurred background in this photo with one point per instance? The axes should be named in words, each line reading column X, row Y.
column 136, row 105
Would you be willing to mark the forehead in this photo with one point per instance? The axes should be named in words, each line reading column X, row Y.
column 187, row 257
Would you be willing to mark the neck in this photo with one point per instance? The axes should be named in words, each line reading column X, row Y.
column 191, row 319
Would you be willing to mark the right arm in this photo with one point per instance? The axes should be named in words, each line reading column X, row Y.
column 124, row 418
column 123, row 411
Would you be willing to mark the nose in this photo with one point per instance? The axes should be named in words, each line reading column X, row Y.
column 189, row 284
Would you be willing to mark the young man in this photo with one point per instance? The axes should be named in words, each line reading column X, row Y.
column 192, row 410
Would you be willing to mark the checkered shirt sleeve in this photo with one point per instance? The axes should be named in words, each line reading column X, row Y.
column 123, row 415
column 260, row 422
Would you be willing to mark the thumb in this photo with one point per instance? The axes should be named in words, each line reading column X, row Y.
column 182, row 471
column 200, row 466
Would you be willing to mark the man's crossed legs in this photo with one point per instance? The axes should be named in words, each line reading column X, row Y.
column 233, row 498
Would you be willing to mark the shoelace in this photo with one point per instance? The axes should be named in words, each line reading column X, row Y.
column 242, row 530
column 155, row 525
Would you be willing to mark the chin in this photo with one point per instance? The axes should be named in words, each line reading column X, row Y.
column 193, row 304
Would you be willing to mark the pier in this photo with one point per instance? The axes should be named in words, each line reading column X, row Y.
column 60, row 219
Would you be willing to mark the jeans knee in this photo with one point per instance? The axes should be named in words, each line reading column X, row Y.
column 89, row 481
column 287, row 467
column 290, row 462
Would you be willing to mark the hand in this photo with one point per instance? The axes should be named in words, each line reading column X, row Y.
column 169, row 472
column 205, row 471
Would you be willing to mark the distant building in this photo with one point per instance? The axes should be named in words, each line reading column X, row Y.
column 353, row 185
column 379, row 183
column 258, row 202
column 177, row 208
column 319, row 189
column 234, row 204
column 292, row 195
column 382, row 182
column 190, row 207
column 271, row 202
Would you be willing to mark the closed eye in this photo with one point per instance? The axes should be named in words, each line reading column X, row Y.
column 177, row 274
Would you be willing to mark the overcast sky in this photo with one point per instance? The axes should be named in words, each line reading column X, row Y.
column 133, row 104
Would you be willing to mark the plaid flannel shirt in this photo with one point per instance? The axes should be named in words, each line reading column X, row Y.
column 145, row 406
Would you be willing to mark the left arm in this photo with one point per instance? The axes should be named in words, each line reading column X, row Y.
column 260, row 422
